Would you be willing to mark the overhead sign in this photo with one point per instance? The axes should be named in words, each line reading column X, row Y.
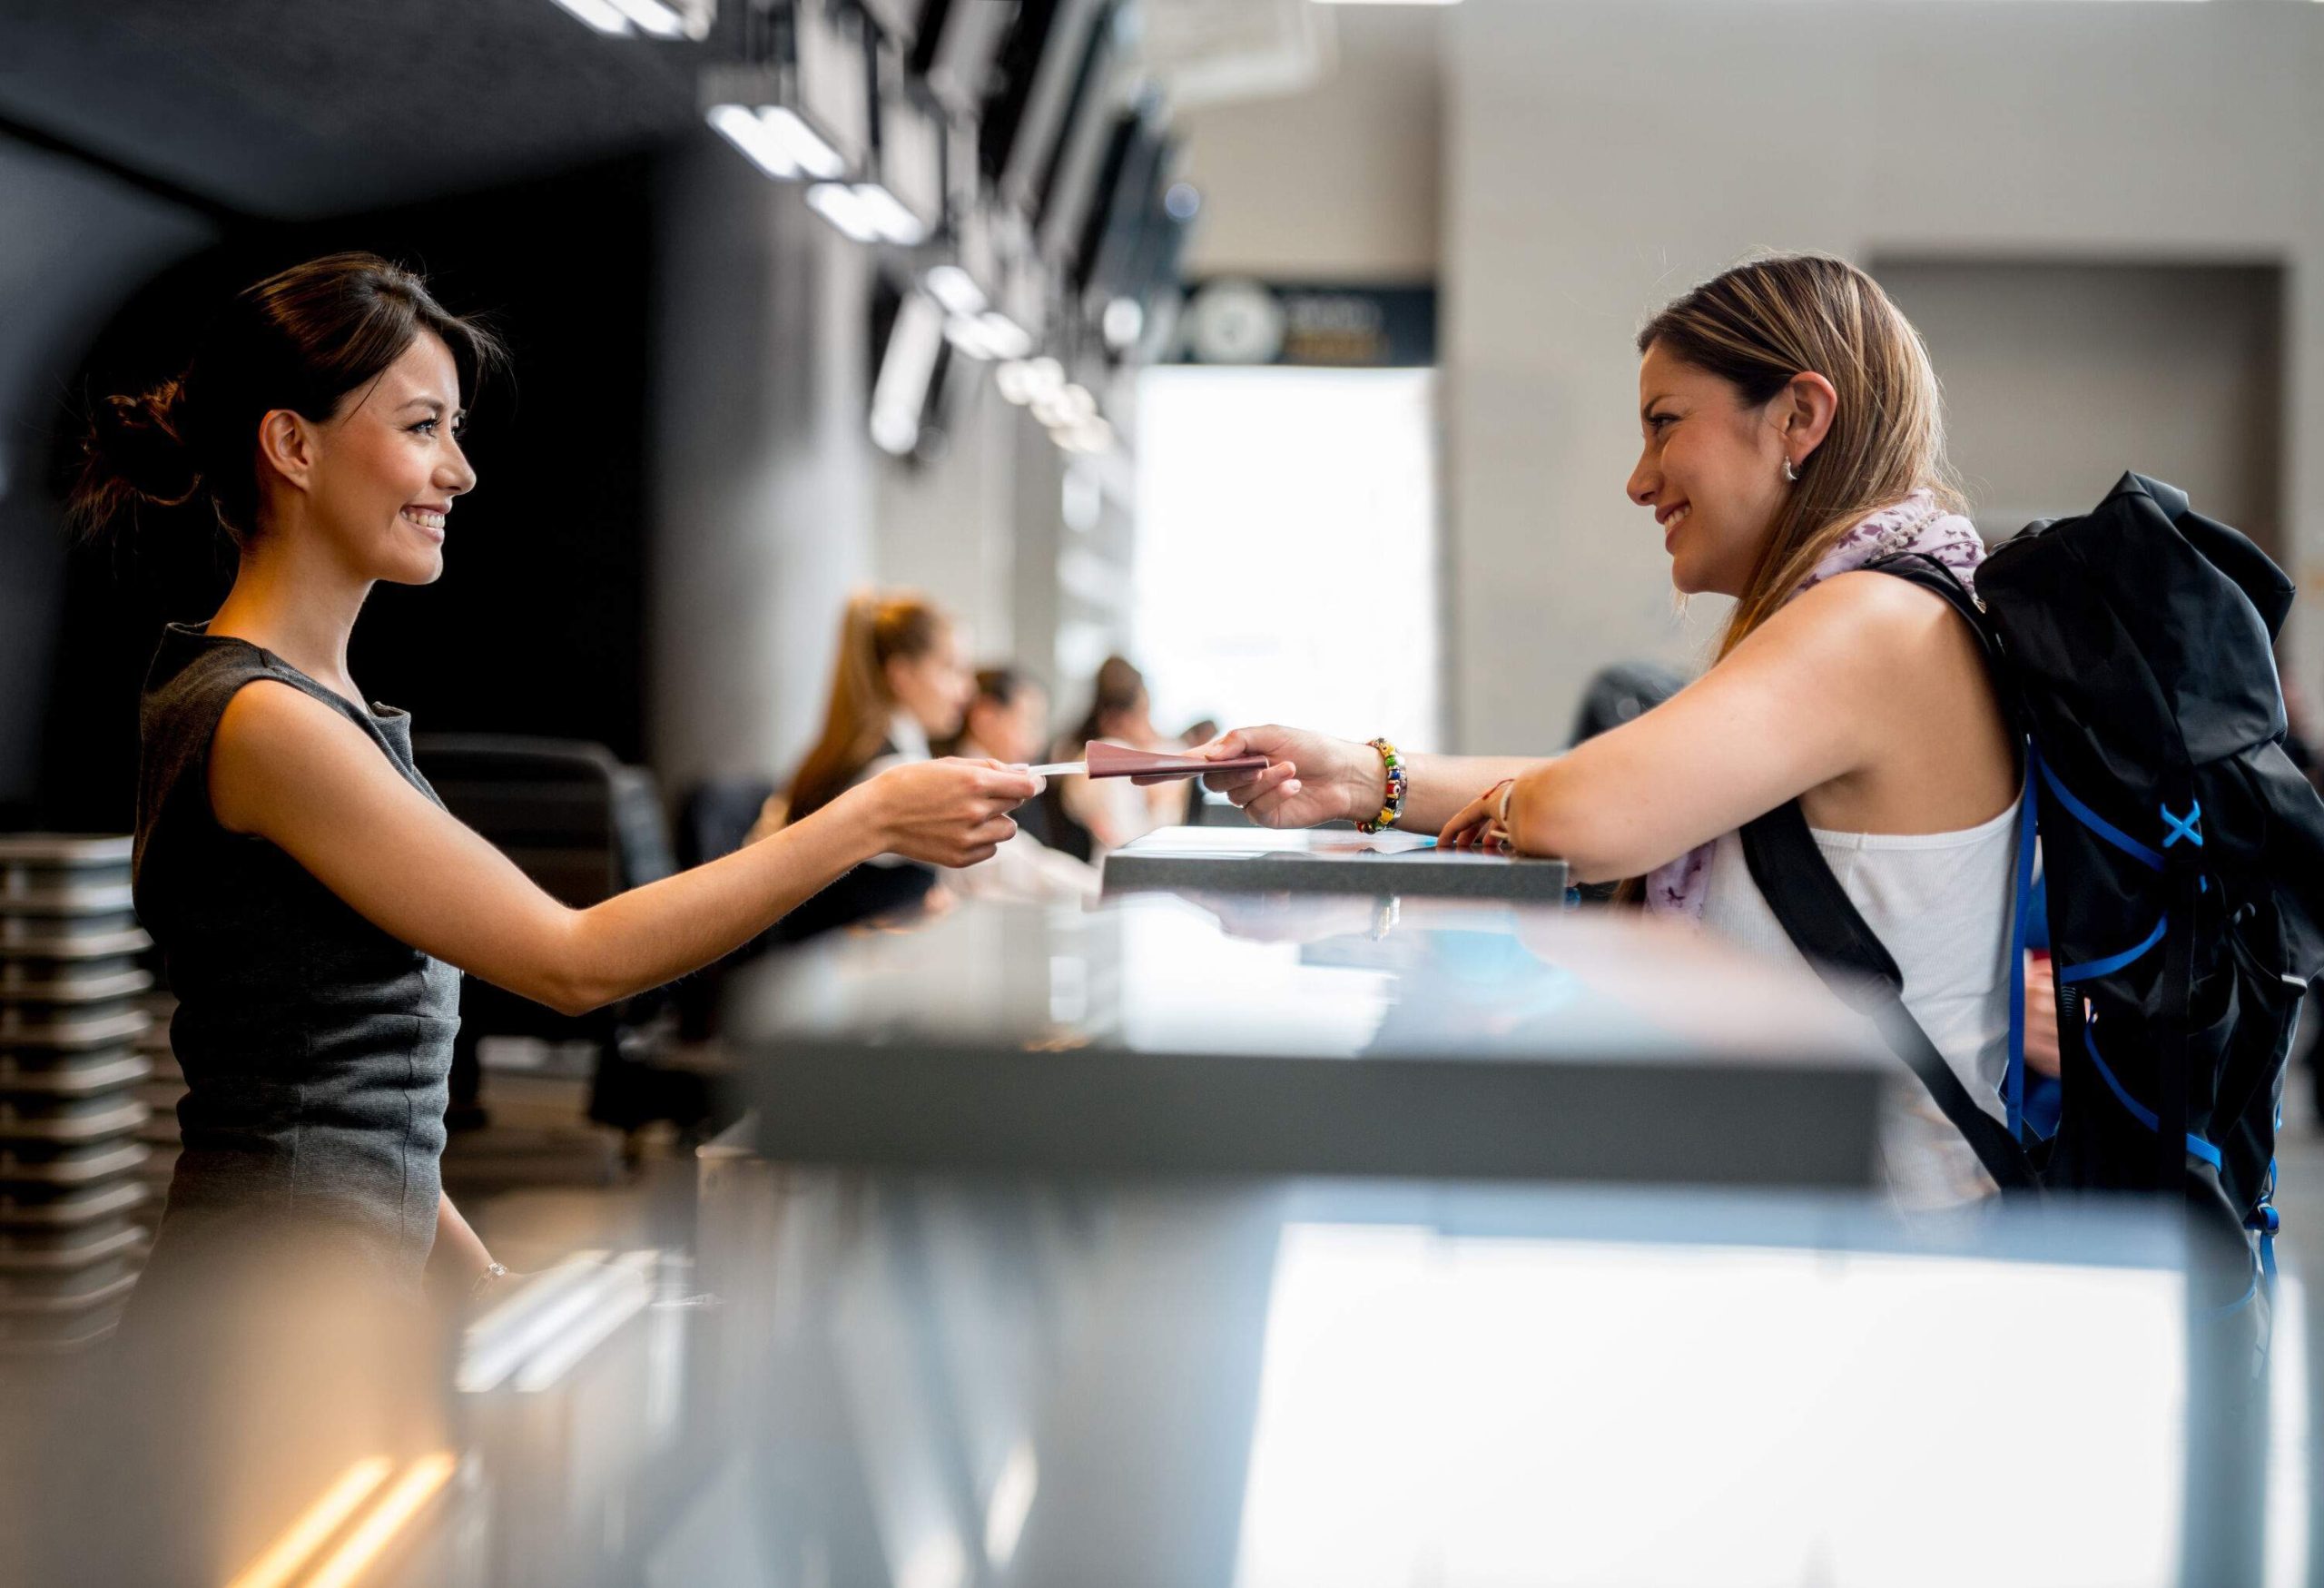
column 1237, row 321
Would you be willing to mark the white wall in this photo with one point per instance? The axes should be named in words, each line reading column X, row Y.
column 1338, row 182
column 2059, row 375
column 771, row 504
column 762, row 474
column 945, row 524
column 1601, row 155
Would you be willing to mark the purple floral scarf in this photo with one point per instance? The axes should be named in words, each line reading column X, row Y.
column 1916, row 524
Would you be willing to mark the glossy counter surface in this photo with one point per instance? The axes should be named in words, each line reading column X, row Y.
column 1332, row 1383
column 1235, row 1034
column 1312, row 861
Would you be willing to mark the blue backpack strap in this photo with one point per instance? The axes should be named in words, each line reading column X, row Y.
column 1816, row 911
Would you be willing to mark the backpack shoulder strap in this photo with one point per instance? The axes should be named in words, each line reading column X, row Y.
column 1823, row 922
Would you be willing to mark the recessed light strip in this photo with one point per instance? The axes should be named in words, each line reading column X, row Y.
column 396, row 1507
column 285, row 1556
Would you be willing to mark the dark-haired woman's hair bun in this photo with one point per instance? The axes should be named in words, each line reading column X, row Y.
column 302, row 340
column 135, row 454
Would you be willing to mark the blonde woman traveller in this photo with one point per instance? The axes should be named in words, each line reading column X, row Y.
column 1790, row 433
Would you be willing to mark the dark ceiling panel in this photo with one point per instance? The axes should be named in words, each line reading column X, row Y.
column 302, row 108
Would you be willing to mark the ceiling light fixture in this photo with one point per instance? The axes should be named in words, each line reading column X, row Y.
column 890, row 219
column 955, row 288
column 1013, row 381
column 742, row 126
column 602, row 14
column 1004, row 336
column 807, row 148
column 841, row 205
column 652, row 18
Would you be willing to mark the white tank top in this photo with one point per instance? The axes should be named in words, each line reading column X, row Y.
column 1941, row 901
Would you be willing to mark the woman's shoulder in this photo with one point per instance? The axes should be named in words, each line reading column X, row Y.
column 1866, row 613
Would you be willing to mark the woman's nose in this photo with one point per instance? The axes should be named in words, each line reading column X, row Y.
column 1644, row 483
column 460, row 477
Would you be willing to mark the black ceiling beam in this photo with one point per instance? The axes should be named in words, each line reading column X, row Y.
column 145, row 181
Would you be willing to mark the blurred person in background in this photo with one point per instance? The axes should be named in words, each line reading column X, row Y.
column 315, row 902
column 1792, row 433
column 1093, row 816
column 899, row 685
column 1008, row 721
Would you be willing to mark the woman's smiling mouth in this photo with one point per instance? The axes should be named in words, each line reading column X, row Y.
column 431, row 519
column 1671, row 518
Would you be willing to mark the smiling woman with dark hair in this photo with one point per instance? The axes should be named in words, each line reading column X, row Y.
column 315, row 902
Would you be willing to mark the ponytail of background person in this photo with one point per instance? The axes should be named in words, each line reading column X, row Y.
column 301, row 339
column 879, row 627
column 1119, row 688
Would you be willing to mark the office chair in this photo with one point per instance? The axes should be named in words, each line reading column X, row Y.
column 584, row 827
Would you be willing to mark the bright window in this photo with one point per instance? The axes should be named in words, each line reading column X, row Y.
column 1286, row 552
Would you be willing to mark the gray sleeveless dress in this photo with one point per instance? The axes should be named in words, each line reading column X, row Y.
column 316, row 1047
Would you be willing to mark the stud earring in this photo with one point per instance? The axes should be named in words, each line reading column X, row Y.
column 1790, row 472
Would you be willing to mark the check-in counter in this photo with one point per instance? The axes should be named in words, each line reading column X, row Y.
column 1255, row 860
column 1277, row 1384
column 1248, row 1034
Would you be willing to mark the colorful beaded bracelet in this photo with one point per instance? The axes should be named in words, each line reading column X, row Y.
column 1391, row 812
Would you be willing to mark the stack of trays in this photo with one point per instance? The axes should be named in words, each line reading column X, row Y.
column 71, row 1016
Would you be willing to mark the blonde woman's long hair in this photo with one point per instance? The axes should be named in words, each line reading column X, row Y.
column 880, row 626
column 1764, row 321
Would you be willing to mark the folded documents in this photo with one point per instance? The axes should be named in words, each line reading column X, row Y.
column 1117, row 760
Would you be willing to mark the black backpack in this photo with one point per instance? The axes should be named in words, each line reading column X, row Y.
column 2183, row 854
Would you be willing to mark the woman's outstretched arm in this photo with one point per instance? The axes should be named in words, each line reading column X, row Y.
column 287, row 768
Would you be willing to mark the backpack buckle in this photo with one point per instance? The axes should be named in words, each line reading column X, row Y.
column 2183, row 826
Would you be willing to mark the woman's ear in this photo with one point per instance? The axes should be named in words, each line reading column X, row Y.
column 1805, row 406
column 286, row 444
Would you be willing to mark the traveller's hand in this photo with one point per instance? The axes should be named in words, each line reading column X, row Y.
column 1312, row 779
column 951, row 813
column 1482, row 823
column 2041, row 1015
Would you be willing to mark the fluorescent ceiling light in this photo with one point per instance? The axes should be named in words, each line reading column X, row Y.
column 1004, row 336
column 837, row 203
column 1014, row 381
column 1089, row 436
column 777, row 140
column 804, row 145
column 652, row 18
column 889, row 216
column 906, row 368
column 955, row 288
column 966, row 335
column 744, row 128
column 1123, row 322
column 602, row 14
column 990, row 335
